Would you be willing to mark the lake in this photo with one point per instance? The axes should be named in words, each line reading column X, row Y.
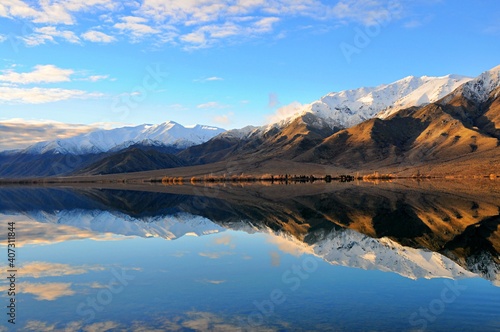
column 401, row 256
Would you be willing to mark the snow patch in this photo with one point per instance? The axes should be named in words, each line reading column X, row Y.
column 348, row 108
column 166, row 134
column 479, row 89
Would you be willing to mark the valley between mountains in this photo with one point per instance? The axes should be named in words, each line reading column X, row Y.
column 430, row 126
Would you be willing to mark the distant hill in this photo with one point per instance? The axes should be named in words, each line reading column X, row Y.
column 68, row 156
column 169, row 133
column 132, row 160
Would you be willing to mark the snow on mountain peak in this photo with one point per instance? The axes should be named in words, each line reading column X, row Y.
column 347, row 247
column 350, row 107
column 479, row 89
column 169, row 227
column 350, row 248
column 169, row 133
column 242, row 133
column 202, row 127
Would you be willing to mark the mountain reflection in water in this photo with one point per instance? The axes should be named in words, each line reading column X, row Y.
column 418, row 230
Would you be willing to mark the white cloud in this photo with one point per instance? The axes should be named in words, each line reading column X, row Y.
column 52, row 31
column 37, row 39
column 10, row 81
column 366, row 12
column 51, row 12
column 49, row 33
column 42, row 95
column 3, row 38
column 17, row 9
column 40, row 74
column 265, row 24
column 208, row 35
column 95, row 78
column 21, row 133
column 205, row 23
column 98, row 37
column 285, row 112
column 197, row 37
column 136, row 26
column 192, row 24
column 209, row 79
column 212, row 104
column 224, row 119
column 200, row 12
column 214, row 78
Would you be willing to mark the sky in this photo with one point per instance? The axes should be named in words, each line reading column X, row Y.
column 226, row 63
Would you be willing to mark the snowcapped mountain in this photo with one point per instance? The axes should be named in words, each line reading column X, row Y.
column 309, row 125
column 168, row 227
column 344, row 247
column 347, row 108
column 479, row 89
column 166, row 134
column 240, row 133
column 350, row 248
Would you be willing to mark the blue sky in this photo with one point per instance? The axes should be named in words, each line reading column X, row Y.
column 226, row 63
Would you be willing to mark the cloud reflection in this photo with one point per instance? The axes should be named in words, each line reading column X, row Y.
column 39, row 326
column 47, row 291
column 226, row 240
column 48, row 269
column 215, row 255
column 289, row 245
column 189, row 321
column 36, row 233
column 213, row 282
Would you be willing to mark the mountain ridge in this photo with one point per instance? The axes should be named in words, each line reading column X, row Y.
column 169, row 133
column 412, row 133
column 463, row 124
column 350, row 107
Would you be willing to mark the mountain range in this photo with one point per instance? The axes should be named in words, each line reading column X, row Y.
column 139, row 148
column 170, row 134
column 437, row 125
column 452, row 125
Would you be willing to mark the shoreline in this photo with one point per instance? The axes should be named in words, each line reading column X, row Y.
column 128, row 179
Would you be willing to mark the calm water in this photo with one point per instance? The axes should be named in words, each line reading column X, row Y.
column 343, row 257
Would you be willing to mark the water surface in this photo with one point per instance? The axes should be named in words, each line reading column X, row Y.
column 339, row 257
